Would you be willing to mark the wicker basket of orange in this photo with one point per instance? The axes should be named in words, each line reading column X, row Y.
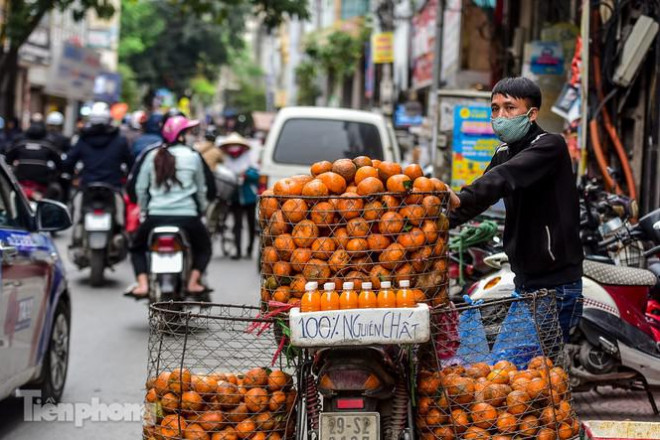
column 359, row 220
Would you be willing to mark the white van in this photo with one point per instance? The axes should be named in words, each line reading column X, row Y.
column 301, row 136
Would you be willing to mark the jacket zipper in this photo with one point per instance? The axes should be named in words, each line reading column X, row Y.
column 547, row 231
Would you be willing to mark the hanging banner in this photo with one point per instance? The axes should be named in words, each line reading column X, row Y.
column 474, row 144
column 74, row 73
column 382, row 48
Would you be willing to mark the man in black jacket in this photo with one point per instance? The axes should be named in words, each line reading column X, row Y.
column 532, row 172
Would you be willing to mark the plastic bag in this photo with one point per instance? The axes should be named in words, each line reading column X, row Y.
column 474, row 345
column 518, row 340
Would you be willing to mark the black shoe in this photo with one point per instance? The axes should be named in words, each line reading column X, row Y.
column 236, row 257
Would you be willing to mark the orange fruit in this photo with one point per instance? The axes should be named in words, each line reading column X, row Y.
column 170, row 402
column 179, row 380
column 439, row 184
column 565, row 431
column 484, row 415
column 369, row 186
column 267, row 205
column 323, row 214
column 364, row 173
column 399, row 183
column 246, row 428
column 321, row 167
column 228, row 433
column 443, row 433
column 287, row 187
column 378, row 242
column 413, row 171
column 391, row 223
column 315, row 188
column 414, row 197
column 302, row 178
column 264, row 422
column 540, row 362
column 439, row 248
column 284, row 245
column 477, row 370
column 357, row 246
column 282, row 294
column 357, row 278
column 339, row 260
column 373, row 210
column 499, row 376
column 350, row 205
column 435, row 418
column 430, row 230
column 256, row 400
column 304, row 233
column 256, row 378
column 377, row 274
column 391, row 202
column 432, row 205
column 269, row 255
column 341, row 238
column 538, row 388
column 424, row 404
column 294, row 210
column 460, row 420
column 460, row 390
column 507, row 423
column 357, row 227
column 282, row 269
column 323, row 248
column 161, row 384
column 528, row 426
column 278, row 380
column 413, row 214
column 413, row 239
column 505, row 365
column 278, row 224
column 211, row 420
column 204, row 385
column 392, row 256
column 404, row 272
column 333, row 181
column 151, row 396
column 388, row 169
column 300, row 257
column 476, row 433
column 423, row 184
column 345, row 168
column 317, row 270
column 297, row 286
column 277, row 401
column 546, row 434
column 362, row 161
column 549, row 418
column 421, row 259
column 171, row 426
column 517, row 402
column 228, row 395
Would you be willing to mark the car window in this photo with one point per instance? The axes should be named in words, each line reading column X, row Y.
column 306, row 140
column 9, row 199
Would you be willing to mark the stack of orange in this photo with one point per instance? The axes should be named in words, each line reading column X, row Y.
column 496, row 402
column 354, row 220
column 220, row 406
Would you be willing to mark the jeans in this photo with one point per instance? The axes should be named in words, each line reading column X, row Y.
column 569, row 309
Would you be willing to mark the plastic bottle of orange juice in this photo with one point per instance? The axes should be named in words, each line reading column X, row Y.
column 311, row 300
column 405, row 297
column 367, row 298
column 348, row 298
column 386, row 297
column 329, row 298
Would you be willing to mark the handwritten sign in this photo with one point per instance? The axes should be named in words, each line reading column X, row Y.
column 360, row 327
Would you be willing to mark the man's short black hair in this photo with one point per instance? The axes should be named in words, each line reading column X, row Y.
column 519, row 88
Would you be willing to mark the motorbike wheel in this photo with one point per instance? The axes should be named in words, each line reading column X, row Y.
column 97, row 265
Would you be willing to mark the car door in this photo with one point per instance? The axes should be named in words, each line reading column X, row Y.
column 27, row 263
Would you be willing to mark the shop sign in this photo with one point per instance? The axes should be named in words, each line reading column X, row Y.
column 547, row 58
column 383, row 48
column 107, row 87
column 474, row 144
column 74, row 74
column 423, row 44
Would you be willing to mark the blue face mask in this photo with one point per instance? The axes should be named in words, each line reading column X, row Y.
column 511, row 129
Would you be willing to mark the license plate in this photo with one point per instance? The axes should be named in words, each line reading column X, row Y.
column 98, row 222
column 350, row 426
column 166, row 262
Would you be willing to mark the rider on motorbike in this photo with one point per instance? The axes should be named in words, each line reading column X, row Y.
column 54, row 125
column 35, row 158
column 171, row 190
column 532, row 172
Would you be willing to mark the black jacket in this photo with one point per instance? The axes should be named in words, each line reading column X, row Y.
column 541, row 235
column 59, row 141
column 33, row 156
column 103, row 151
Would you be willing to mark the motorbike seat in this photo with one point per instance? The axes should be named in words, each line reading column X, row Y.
column 617, row 275
column 170, row 230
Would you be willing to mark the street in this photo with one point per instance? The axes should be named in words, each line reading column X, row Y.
column 109, row 355
column 109, row 347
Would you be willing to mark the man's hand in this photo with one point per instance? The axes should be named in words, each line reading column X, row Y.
column 454, row 201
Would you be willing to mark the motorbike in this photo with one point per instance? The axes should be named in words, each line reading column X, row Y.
column 169, row 264
column 616, row 342
column 28, row 160
column 101, row 242
column 364, row 393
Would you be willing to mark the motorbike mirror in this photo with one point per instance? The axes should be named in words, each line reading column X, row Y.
column 496, row 260
column 52, row 216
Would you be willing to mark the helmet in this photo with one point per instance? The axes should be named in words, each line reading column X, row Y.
column 211, row 133
column 100, row 114
column 176, row 125
column 138, row 118
column 55, row 118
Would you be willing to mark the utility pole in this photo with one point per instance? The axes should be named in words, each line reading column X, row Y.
column 385, row 14
column 437, row 76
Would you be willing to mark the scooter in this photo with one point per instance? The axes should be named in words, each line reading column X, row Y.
column 616, row 343
column 99, row 242
column 169, row 264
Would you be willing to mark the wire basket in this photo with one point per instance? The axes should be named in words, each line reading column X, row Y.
column 630, row 255
column 217, row 372
column 495, row 371
column 374, row 238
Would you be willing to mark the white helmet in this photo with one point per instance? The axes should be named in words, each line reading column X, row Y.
column 100, row 114
column 55, row 118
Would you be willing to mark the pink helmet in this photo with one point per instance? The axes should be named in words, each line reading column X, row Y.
column 175, row 125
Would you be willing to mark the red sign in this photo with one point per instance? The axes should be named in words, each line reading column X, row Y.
column 424, row 44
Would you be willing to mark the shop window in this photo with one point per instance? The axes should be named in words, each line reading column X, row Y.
column 354, row 8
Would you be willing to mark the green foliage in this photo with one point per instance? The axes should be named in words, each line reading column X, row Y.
column 308, row 90
column 203, row 90
column 130, row 92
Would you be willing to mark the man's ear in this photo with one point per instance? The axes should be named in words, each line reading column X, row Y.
column 533, row 114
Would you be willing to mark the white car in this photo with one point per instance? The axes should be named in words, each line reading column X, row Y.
column 301, row 136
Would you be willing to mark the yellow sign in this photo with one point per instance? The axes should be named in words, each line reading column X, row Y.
column 382, row 48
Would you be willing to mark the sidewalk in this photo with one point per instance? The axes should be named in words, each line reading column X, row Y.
column 611, row 404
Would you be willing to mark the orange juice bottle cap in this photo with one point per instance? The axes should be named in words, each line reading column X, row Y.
column 404, row 283
column 366, row 286
column 329, row 286
column 386, row 285
column 348, row 285
column 311, row 285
